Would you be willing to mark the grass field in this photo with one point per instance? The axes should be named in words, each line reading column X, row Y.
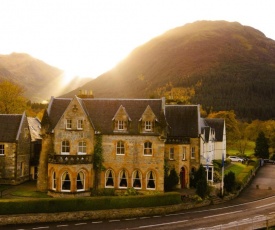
column 233, row 149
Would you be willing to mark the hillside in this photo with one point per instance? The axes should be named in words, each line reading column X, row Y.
column 230, row 67
column 40, row 80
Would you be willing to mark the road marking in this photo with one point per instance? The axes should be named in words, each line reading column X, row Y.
column 41, row 227
column 173, row 214
column 131, row 219
column 222, row 214
column 144, row 217
column 156, row 216
column 155, row 225
column 60, row 226
column 113, row 220
column 265, row 205
column 97, row 222
column 80, row 224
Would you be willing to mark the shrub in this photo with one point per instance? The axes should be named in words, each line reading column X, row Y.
column 52, row 205
column 229, row 181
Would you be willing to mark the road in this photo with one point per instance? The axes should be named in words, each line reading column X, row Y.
column 254, row 208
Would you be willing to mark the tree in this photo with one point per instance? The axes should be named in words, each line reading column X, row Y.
column 11, row 98
column 201, row 182
column 232, row 125
column 261, row 148
column 171, row 180
column 229, row 181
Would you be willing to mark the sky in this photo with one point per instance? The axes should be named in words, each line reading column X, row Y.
column 88, row 37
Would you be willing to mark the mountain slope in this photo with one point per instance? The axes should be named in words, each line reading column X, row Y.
column 230, row 67
column 40, row 80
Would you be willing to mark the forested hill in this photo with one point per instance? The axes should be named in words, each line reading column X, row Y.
column 229, row 67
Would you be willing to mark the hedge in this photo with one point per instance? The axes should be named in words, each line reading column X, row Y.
column 52, row 205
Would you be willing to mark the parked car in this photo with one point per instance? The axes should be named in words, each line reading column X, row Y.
column 269, row 161
column 235, row 159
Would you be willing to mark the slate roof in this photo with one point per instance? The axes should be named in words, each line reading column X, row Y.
column 183, row 120
column 218, row 125
column 102, row 111
column 56, row 108
column 9, row 127
column 35, row 127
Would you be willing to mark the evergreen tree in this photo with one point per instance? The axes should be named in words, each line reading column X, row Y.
column 229, row 181
column 201, row 182
column 261, row 148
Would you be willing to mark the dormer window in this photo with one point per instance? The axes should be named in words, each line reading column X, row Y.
column 121, row 120
column 68, row 124
column 147, row 120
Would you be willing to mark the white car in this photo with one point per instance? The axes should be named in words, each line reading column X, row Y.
column 235, row 159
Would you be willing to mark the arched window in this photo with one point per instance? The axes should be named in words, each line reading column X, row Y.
column 148, row 148
column 80, row 181
column 120, row 148
column 137, row 179
column 54, row 181
column 123, row 181
column 151, row 180
column 109, row 178
column 82, row 147
column 65, row 147
column 65, row 182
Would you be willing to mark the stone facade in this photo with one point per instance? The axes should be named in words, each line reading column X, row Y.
column 15, row 154
column 138, row 135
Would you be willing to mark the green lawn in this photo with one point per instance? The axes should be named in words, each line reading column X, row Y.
column 233, row 149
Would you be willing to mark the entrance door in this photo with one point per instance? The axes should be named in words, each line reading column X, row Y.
column 182, row 177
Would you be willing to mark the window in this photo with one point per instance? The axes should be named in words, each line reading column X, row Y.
column 148, row 125
column 65, row 182
column 120, row 148
column 68, row 124
column 54, row 181
column 193, row 152
column 148, row 148
column 80, row 181
column 82, row 147
column 2, row 149
column 137, row 179
column 120, row 125
column 109, row 179
column 151, row 180
column 123, row 179
column 80, row 124
column 171, row 154
column 184, row 153
column 65, row 148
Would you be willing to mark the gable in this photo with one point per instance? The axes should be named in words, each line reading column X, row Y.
column 148, row 114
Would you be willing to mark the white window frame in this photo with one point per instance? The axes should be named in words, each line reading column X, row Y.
column 184, row 153
column 148, row 148
column 120, row 125
column 2, row 150
column 107, row 178
column 171, row 153
column 82, row 145
column 81, row 181
column 148, row 180
column 193, row 152
column 63, row 180
column 54, row 181
column 69, row 124
column 148, row 126
column 134, row 177
column 80, row 124
column 65, row 146
column 120, row 178
column 120, row 148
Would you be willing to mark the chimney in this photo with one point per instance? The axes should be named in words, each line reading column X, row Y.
column 85, row 93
